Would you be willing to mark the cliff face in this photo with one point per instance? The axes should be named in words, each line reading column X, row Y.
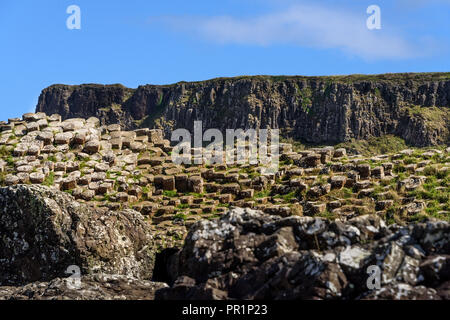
column 327, row 110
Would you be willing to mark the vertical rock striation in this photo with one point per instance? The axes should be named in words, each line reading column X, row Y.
column 328, row 110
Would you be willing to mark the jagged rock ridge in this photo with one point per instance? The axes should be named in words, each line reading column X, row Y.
column 250, row 255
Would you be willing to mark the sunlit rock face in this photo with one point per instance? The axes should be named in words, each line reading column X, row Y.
column 313, row 109
column 44, row 232
column 250, row 255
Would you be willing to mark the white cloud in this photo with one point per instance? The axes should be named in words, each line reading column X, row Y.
column 302, row 25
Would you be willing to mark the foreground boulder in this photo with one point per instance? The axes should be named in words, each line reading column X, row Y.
column 93, row 287
column 44, row 231
column 250, row 255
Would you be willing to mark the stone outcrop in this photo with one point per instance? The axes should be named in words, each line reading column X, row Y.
column 92, row 287
column 44, row 231
column 327, row 110
column 250, row 255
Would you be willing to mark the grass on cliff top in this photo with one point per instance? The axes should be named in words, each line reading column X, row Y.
column 424, row 76
column 368, row 147
column 374, row 145
column 436, row 118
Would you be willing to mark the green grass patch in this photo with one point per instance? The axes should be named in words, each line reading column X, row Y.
column 196, row 195
column 262, row 194
column 374, row 145
column 180, row 216
column 170, row 193
column 49, row 180
column 4, row 152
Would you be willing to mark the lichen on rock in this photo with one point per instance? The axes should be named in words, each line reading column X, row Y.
column 45, row 231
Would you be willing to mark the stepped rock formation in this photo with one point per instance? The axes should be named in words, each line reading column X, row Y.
column 324, row 110
column 45, row 231
column 70, row 186
column 250, row 255
column 106, row 167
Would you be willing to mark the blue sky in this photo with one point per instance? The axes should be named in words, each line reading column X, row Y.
column 138, row 42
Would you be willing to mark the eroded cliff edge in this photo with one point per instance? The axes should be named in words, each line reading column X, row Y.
column 322, row 110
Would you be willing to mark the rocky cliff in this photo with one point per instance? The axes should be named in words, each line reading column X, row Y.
column 327, row 110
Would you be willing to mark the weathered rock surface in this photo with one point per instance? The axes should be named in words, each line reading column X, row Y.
column 250, row 255
column 44, row 231
column 93, row 287
column 314, row 109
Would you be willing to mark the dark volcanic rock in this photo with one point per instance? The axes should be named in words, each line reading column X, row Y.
column 250, row 255
column 44, row 231
column 313, row 109
column 89, row 99
column 93, row 287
